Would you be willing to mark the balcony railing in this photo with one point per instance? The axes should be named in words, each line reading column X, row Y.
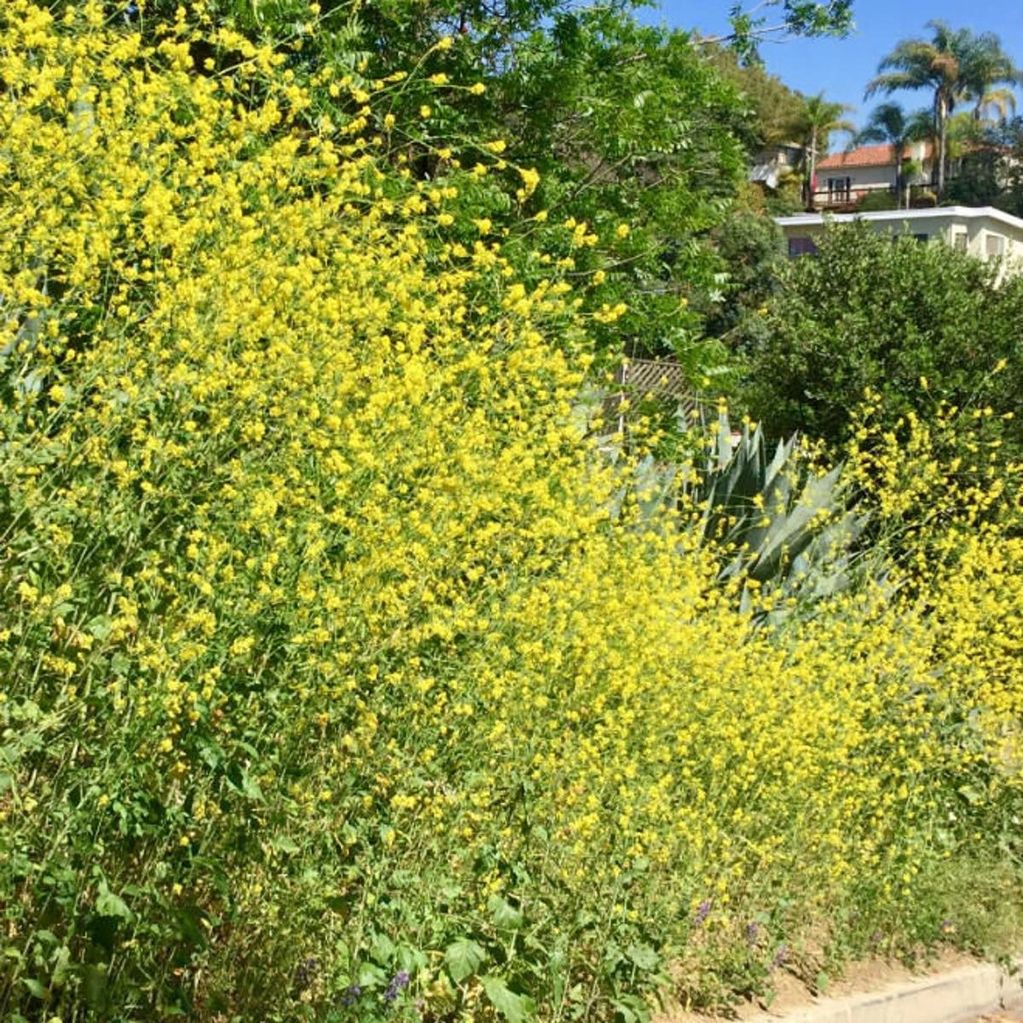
column 848, row 200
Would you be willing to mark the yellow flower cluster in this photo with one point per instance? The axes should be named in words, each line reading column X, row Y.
column 316, row 626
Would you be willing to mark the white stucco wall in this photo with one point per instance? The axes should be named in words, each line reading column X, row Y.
column 941, row 224
column 869, row 179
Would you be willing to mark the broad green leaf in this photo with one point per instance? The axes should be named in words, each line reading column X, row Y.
column 643, row 957
column 462, row 958
column 505, row 916
column 515, row 1008
column 382, row 949
column 109, row 904
column 35, row 988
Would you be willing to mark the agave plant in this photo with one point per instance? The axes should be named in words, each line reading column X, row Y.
column 779, row 526
column 777, row 522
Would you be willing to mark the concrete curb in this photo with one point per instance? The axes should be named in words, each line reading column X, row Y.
column 953, row 997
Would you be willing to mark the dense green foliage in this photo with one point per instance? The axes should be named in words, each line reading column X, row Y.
column 776, row 107
column 917, row 323
column 623, row 123
column 631, row 124
column 990, row 167
column 752, row 248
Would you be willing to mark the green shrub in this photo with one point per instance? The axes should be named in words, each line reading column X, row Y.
column 874, row 201
column 917, row 323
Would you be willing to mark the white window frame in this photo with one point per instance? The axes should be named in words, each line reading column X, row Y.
column 999, row 245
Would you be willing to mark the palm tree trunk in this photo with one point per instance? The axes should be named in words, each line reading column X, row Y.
column 942, row 118
column 900, row 182
column 810, row 200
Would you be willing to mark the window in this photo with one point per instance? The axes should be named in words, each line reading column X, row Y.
column 839, row 189
column 922, row 238
column 960, row 239
column 994, row 245
column 801, row 247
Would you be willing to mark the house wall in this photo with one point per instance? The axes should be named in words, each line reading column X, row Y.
column 870, row 179
column 981, row 235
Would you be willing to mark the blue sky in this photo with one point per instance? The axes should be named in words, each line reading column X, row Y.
column 842, row 67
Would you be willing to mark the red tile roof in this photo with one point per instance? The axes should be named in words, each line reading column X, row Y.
column 865, row 156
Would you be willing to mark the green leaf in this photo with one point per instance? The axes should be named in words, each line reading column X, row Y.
column 382, row 949
column 632, row 1009
column 109, row 904
column 371, row 976
column 241, row 781
column 643, row 957
column 61, row 966
column 515, row 1008
column 94, row 983
column 119, row 664
column 100, row 627
column 35, row 988
column 505, row 916
column 462, row 958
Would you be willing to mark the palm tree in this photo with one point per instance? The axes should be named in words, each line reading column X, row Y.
column 988, row 65
column 813, row 127
column 955, row 65
column 888, row 123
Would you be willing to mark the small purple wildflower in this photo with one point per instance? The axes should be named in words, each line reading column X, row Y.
column 780, row 956
column 351, row 995
column 752, row 930
column 702, row 912
column 305, row 972
column 398, row 983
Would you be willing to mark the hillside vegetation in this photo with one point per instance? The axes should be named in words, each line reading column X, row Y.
column 332, row 689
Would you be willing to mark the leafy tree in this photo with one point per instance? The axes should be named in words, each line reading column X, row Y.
column 889, row 124
column 990, row 166
column 794, row 17
column 775, row 106
column 626, row 133
column 813, row 127
column 916, row 323
column 633, row 132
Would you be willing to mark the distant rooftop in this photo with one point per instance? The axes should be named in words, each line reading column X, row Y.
column 866, row 156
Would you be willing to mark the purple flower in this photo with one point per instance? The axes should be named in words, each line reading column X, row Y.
column 752, row 930
column 351, row 995
column 780, row 956
column 398, row 983
column 702, row 912
column 305, row 972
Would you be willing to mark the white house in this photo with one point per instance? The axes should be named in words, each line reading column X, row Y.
column 845, row 178
column 774, row 164
column 983, row 231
